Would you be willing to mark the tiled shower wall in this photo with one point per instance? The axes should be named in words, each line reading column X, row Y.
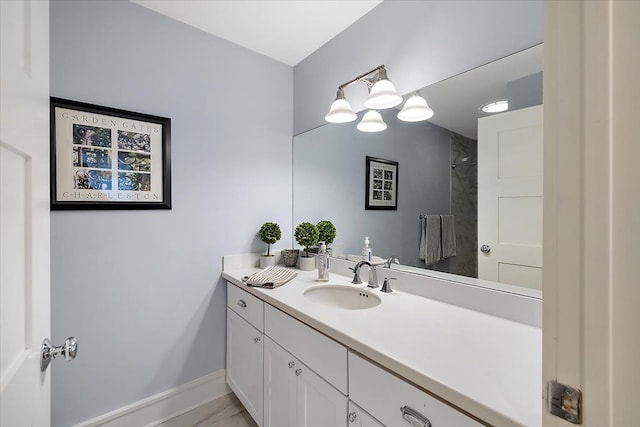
column 464, row 204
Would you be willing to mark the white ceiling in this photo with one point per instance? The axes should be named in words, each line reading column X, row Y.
column 284, row 30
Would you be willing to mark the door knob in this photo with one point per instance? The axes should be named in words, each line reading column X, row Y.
column 48, row 352
column 485, row 249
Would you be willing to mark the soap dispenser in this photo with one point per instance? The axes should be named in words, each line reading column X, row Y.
column 366, row 250
column 323, row 263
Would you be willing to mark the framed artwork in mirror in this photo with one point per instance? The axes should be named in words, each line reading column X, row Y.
column 105, row 158
column 381, row 184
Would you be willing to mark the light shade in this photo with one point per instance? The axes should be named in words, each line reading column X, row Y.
column 340, row 112
column 372, row 122
column 415, row 110
column 383, row 95
column 495, row 107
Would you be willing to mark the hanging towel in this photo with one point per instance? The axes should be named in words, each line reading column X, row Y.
column 423, row 238
column 430, row 240
column 448, row 236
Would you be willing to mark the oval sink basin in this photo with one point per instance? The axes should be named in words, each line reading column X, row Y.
column 344, row 297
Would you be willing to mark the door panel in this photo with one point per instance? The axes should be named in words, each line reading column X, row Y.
column 319, row 404
column 245, row 363
column 510, row 197
column 24, row 212
column 279, row 386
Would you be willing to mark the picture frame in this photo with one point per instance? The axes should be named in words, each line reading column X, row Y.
column 107, row 158
column 381, row 187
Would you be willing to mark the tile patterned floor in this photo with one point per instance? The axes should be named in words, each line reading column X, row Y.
column 226, row 411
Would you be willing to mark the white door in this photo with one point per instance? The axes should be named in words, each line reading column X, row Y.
column 244, row 363
column 24, row 212
column 510, row 197
column 319, row 404
column 592, row 207
column 279, row 386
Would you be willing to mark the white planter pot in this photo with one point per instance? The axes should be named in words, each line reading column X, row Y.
column 267, row 261
column 307, row 264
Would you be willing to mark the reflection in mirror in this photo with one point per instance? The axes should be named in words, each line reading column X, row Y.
column 466, row 179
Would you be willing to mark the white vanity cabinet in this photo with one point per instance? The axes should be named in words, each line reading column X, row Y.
column 305, row 383
column 295, row 396
column 395, row 402
column 358, row 417
column 245, row 316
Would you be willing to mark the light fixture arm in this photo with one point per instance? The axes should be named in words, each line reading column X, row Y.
column 382, row 73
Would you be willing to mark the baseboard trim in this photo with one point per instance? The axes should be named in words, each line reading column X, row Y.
column 165, row 405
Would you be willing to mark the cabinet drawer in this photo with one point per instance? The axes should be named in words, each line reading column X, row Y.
column 246, row 305
column 320, row 353
column 383, row 394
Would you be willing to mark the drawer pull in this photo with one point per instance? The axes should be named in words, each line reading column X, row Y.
column 256, row 340
column 242, row 304
column 298, row 371
column 292, row 364
column 352, row 417
column 414, row 417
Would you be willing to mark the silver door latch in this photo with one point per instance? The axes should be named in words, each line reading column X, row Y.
column 564, row 402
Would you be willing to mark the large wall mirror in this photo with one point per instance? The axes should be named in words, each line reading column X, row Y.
column 478, row 174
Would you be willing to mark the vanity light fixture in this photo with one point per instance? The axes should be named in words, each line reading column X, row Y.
column 415, row 109
column 372, row 122
column 496, row 106
column 340, row 111
column 382, row 95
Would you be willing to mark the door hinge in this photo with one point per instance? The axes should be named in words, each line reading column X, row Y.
column 564, row 402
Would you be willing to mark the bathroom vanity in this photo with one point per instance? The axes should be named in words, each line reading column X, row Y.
column 298, row 358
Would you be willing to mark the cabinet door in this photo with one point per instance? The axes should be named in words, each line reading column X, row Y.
column 244, row 363
column 359, row 418
column 279, row 386
column 319, row 404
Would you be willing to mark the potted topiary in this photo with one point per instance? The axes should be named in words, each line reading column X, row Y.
column 269, row 233
column 306, row 235
column 326, row 232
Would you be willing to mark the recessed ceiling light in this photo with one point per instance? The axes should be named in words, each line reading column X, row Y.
column 496, row 107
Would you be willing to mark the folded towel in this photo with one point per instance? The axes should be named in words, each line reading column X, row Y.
column 430, row 239
column 448, row 236
column 270, row 277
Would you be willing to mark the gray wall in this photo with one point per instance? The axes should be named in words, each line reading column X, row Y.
column 525, row 92
column 141, row 290
column 420, row 42
column 329, row 182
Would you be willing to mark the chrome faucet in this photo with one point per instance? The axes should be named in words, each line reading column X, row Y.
column 373, row 277
column 356, row 271
column 386, row 287
column 393, row 260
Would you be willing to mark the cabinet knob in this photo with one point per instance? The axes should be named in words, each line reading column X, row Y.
column 352, row 417
column 292, row 364
column 256, row 340
column 242, row 304
column 298, row 371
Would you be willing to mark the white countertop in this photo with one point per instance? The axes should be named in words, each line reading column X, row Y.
column 486, row 365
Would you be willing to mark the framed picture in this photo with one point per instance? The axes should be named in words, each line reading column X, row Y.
column 105, row 158
column 381, row 184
